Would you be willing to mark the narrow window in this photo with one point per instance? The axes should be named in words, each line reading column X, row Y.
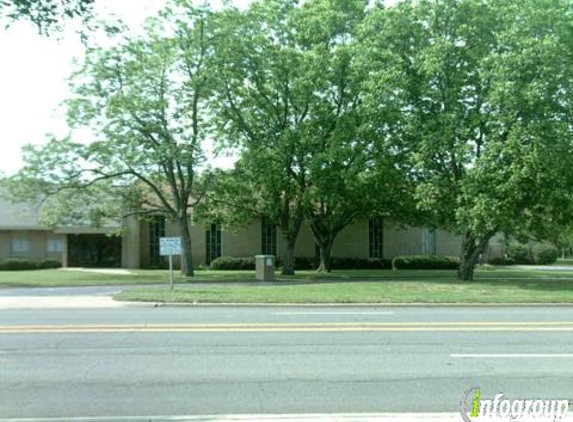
column 375, row 237
column 212, row 243
column 156, row 231
column 268, row 237
column 428, row 241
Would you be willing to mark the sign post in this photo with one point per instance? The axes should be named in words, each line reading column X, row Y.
column 169, row 246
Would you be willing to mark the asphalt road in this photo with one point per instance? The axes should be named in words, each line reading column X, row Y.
column 140, row 361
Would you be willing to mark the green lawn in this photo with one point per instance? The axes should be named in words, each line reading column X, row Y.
column 498, row 285
column 348, row 286
column 54, row 278
column 429, row 291
column 566, row 261
column 68, row 278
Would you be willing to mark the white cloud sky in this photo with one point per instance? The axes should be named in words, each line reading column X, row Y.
column 33, row 73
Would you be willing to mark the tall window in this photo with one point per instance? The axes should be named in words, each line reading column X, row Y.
column 268, row 237
column 428, row 241
column 212, row 243
column 156, row 230
column 376, row 237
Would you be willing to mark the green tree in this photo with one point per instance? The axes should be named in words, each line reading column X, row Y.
column 483, row 90
column 292, row 101
column 145, row 100
column 47, row 15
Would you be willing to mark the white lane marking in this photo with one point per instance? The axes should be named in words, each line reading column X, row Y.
column 511, row 355
column 333, row 313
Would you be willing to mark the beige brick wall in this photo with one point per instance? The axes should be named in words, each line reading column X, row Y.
column 5, row 237
column 242, row 242
column 352, row 241
column 38, row 244
column 304, row 245
column 448, row 244
column 401, row 241
column 131, row 244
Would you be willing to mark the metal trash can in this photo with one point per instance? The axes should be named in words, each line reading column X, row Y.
column 265, row 267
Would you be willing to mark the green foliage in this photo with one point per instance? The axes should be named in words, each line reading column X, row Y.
column 501, row 261
column 301, row 263
column 305, row 263
column 145, row 99
column 19, row 264
column 49, row 264
column 544, row 253
column 425, row 262
column 359, row 263
column 520, row 254
column 481, row 93
column 233, row 263
column 291, row 101
column 47, row 15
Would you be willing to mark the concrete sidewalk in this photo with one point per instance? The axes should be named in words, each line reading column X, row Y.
column 58, row 302
column 350, row 417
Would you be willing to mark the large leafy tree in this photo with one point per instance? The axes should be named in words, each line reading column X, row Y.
column 264, row 103
column 483, row 89
column 47, row 15
column 291, row 99
column 145, row 100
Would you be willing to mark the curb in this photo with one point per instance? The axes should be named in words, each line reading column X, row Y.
column 344, row 305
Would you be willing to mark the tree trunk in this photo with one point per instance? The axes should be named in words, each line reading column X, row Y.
column 186, row 256
column 288, row 263
column 325, row 247
column 466, row 270
column 472, row 248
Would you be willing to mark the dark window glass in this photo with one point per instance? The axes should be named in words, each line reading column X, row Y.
column 212, row 243
column 268, row 237
column 94, row 250
column 375, row 238
column 156, row 230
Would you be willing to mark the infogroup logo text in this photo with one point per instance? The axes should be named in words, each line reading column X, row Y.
column 475, row 408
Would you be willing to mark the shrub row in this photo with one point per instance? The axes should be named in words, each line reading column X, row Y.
column 360, row 263
column 17, row 264
column 233, row 263
column 336, row 263
column 544, row 254
column 501, row 261
column 539, row 253
column 301, row 263
column 425, row 262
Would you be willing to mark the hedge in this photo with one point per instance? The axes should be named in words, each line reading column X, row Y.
column 337, row 263
column 544, row 254
column 519, row 253
column 18, row 264
column 301, row 263
column 425, row 262
column 233, row 263
column 501, row 261
column 359, row 263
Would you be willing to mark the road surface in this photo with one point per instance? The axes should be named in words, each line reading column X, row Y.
column 143, row 360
